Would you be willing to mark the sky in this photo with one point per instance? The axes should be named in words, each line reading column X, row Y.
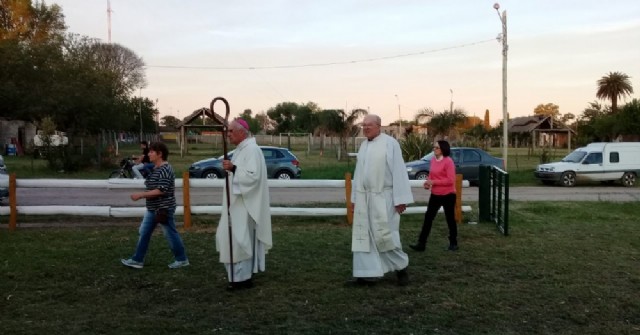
column 393, row 58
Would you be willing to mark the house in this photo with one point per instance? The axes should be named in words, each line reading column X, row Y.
column 16, row 132
column 187, row 123
column 540, row 130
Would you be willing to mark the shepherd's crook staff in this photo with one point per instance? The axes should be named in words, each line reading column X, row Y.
column 225, row 128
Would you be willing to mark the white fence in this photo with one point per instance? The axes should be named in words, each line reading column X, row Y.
column 110, row 211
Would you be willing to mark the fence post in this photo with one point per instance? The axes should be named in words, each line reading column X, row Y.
column 13, row 215
column 484, row 193
column 347, row 190
column 186, row 200
column 458, row 210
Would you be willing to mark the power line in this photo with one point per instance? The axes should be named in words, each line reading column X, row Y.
column 366, row 60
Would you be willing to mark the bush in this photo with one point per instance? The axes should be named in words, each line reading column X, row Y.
column 415, row 146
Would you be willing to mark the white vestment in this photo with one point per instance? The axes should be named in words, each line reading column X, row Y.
column 380, row 183
column 250, row 213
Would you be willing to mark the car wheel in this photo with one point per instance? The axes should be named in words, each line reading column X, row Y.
column 422, row 175
column 568, row 179
column 628, row 179
column 211, row 174
column 284, row 175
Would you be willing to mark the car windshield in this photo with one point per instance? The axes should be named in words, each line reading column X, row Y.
column 574, row 157
column 427, row 157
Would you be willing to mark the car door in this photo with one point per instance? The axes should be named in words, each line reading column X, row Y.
column 469, row 164
column 456, row 156
column 591, row 168
column 271, row 159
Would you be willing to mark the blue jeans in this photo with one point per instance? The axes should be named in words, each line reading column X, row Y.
column 170, row 233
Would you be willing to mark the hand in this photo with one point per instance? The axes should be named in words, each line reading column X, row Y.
column 427, row 184
column 137, row 196
column 401, row 208
column 227, row 165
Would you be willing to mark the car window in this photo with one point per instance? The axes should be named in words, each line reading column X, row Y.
column 455, row 155
column 470, row 156
column 593, row 158
column 268, row 154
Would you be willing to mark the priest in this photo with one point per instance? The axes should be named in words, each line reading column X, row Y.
column 244, row 250
column 380, row 193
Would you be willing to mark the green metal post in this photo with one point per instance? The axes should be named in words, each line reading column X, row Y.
column 484, row 193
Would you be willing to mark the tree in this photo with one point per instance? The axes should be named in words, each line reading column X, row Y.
column 487, row 122
column 265, row 122
column 549, row 109
column 613, row 86
column 169, row 121
column 21, row 20
column 122, row 65
column 443, row 123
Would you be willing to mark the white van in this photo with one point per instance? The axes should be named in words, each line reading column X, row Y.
column 603, row 162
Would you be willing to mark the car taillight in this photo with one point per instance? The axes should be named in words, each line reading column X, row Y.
column 295, row 162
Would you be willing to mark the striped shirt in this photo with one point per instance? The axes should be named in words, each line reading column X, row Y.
column 164, row 179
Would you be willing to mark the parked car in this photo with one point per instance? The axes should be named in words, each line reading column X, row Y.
column 603, row 162
column 4, row 191
column 467, row 161
column 281, row 164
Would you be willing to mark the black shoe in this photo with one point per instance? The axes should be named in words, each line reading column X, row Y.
column 240, row 285
column 360, row 282
column 403, row 277
column 418, row 247
column 452, row 247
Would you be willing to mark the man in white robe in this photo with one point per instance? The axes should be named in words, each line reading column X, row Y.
column 249, row 209
column 380, row 193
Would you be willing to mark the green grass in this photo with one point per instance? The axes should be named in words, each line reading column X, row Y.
column 567, row 268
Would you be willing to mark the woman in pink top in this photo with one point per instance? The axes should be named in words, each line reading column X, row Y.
column 441, row 182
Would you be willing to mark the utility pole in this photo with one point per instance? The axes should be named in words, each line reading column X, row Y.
column 505, row 115
column 451, row 105
column 399, row 118
column 140, row 112
column 109, row 19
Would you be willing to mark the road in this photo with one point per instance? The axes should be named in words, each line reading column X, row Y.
column 296, row 196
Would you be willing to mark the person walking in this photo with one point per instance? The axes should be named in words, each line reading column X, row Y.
column 442, row 183
column 380, row 193
column 161, row 207
column 244, row 250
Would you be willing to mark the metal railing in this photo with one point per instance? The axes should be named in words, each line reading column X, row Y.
column 493, row 197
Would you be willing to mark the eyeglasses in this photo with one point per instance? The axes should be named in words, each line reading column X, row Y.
column 434, row 148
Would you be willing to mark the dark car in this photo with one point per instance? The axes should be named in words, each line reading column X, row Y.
column 281, row 164
column 467, row 161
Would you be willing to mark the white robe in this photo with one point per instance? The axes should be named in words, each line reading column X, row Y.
column 380, row 183
column 250, row 213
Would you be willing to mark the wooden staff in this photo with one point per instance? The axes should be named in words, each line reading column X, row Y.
column 225, row 128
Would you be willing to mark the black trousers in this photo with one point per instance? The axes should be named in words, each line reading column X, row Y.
column 435, row 202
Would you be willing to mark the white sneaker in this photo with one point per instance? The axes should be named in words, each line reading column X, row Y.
column 179, row 264
column 132, row 264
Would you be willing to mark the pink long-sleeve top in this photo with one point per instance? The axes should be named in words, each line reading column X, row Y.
column 442, row 174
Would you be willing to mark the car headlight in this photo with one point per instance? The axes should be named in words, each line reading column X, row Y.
column 195, row 167
column 409, row 169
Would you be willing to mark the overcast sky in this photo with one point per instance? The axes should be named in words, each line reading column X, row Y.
column 382, row 54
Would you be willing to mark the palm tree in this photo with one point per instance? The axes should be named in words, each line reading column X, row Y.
column 336, row 121
column 443, row 123
column 613, row 86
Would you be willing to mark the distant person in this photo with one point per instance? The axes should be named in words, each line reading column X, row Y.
column 442, row 183
column 143, row 161
column 380, row 193
column 249, row 209
column 161, row 207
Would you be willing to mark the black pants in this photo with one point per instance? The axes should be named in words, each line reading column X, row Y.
column 435, row 202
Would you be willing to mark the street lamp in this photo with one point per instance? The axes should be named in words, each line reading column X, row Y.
column 399, row 118
column 505, row 48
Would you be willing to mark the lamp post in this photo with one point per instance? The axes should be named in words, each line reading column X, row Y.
column 505, row 48
column 451, row 105
column 399, row 118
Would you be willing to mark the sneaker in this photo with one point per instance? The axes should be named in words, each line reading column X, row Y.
column 418, row 247
column 179, row 264
column 452, row 247
column 132, row 264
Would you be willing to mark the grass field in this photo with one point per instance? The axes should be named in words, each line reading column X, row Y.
column 567, row 268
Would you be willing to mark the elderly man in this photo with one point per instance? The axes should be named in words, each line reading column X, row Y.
column 249, row 209
column 380, row 194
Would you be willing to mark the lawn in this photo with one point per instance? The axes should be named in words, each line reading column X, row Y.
column 567, row 268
